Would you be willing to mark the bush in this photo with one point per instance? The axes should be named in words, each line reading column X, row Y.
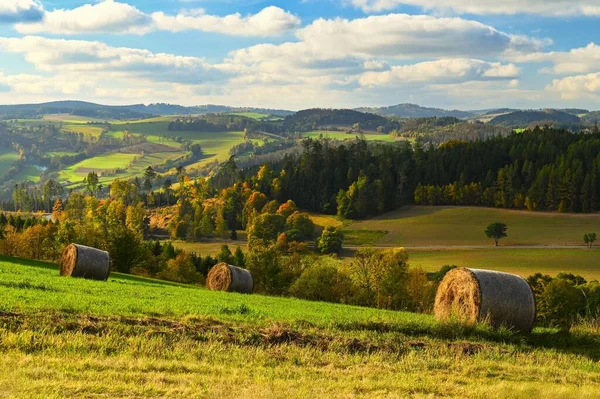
column 330, row 241
column 182, row 270
column 323, row 282
column 560, row 304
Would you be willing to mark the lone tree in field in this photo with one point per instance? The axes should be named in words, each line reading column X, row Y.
column 497, row 231
column 589, row 239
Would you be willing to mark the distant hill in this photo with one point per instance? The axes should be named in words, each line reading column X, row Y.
column 525, row 118
column 415, row 111
column 135, row 111
column 591, row 118
column 80, row 108
column 314, row 119
column 575, row 111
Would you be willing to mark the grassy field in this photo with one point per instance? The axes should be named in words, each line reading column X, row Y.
column 132, row 338
column 87, row 130
column 100, row 163
column 344, row 136
column 209, row 248
column 251, row 115
column 72, row 119
column 447, row 226
column 7, row 158
column 524, row 262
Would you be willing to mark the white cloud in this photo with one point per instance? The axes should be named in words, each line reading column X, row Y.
column 578, row 60
column 111, row 16
column 12, row 11
column 441, row 71
column 96, row 58
column 577, row 87
column 271, row 21
column 106, row 17
column 489, row 7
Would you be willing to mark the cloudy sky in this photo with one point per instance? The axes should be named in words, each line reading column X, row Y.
column 468, row 54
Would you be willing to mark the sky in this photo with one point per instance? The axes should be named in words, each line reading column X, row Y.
column 454, row 54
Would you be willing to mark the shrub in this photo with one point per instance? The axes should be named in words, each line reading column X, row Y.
column 560, row 303
column 182, row 270
column 323, row 282
column 330, row 241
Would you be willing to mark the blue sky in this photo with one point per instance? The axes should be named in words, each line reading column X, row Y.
column 468, row 54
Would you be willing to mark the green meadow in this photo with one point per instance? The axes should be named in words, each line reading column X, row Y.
column 7, row 158
column 524, row 262
column 454, row 226
column 346, row 136
column 133, row 337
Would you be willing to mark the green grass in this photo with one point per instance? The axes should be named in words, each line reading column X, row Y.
column 72, row 119
column 362, row 237
column 209, row 248
column 7, row 158
column 344, row 136
column 251, row 115
column 29, row 172
column 447, row 226
column 87, row 130
column 132, row 337
column 524, row 262
column 60, row 153
column 100, row 163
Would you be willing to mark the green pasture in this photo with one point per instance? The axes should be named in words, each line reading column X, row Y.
column 7, row 158
column 134, row 337
column 87, row 130
column 524, row 262
column 345, row 136
column 451, row 226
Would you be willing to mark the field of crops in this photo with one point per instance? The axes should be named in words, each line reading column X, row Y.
column 446, row 226
column 133, row 337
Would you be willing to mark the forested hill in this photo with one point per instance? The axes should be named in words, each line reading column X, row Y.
column 541, row 169
column 313, row 119
column 415, row 111
column 135, row 111
column 525, row 118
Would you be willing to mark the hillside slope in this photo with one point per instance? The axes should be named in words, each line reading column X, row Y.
column 524, row 118
column 415, row 111
column 131, row 338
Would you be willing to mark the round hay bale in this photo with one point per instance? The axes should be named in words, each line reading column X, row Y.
column 500, row 299
column 224, row 277
column 85, row 262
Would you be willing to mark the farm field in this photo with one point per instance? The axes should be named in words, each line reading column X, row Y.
column 524, row 262
column 209, row 248
column 72, row 119
column 133, row 337
column 344, row 136
column 453, row 226
column 98, row 164
column 88, row 130
column 7, row 158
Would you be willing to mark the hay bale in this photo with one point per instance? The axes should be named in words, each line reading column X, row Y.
column 224, row 277
column 473, row 296
column 85, row 262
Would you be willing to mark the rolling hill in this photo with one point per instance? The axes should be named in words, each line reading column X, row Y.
column 525, row 118
column 415, row 111
column 124, row 112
